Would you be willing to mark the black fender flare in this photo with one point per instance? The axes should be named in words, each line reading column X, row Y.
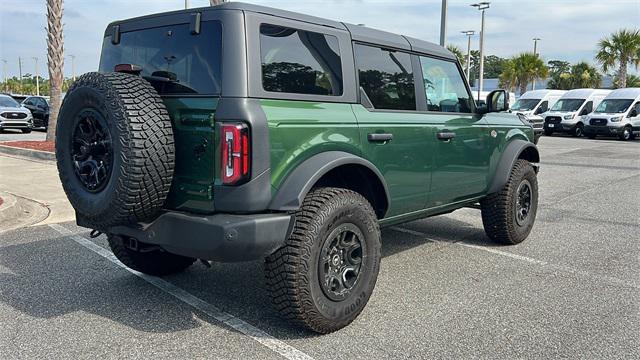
column 512, row 152
column 297, row 184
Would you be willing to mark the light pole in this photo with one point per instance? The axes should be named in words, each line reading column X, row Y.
column 20, row 72
column 535, row 53
column 443, row 23
column 186, row 4
column 4, row 75
column 482, row 6
column 535, row 46
column 73, row 67
column 37, row 75
column 469, row 34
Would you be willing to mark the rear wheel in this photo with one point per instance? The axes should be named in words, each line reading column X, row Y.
column 147, row 259
column 324, row 275
column 509, row 214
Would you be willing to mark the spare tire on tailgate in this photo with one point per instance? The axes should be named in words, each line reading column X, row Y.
column 114, row 149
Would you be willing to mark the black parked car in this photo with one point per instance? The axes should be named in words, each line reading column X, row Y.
column 39, row 108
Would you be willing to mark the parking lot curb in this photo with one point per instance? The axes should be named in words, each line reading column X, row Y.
column 34, row 154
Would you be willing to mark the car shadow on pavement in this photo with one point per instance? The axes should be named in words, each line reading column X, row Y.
column 56, row 277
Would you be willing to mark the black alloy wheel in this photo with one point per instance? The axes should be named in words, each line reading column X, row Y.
column 340, row 261
column 92, row 150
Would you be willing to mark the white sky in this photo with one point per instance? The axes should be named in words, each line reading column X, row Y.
column 569, row 29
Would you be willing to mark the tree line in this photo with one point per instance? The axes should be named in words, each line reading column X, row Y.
column 29, row 85
column 616, row 53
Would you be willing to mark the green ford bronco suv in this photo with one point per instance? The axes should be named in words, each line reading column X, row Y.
column 239, row 132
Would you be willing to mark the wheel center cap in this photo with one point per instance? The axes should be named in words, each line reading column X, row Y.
column 335, row 260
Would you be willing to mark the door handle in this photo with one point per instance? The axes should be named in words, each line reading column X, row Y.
column 379, row 137
column 446, row 135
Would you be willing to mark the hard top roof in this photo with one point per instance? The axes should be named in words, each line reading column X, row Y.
column 626, row 93
column 584, row 93
column 358, row 32
column 538, row 94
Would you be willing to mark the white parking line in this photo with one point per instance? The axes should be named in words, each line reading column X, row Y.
column 280, row 347
column 562, row 268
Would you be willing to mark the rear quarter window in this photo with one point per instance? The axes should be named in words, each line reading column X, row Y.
column 172, row 59
column 300, row 62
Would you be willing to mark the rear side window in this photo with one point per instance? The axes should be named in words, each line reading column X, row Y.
column 386, row 77
column 444, row 86
column 300, row 62
column 172, row 59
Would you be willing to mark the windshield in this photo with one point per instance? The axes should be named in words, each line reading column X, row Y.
column 525, row 104
column 172, row 59
column 616, row 106
column 568, row 105
column 6, row 101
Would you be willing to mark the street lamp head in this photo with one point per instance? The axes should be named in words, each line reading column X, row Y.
column 482, row 5
column 536, row 39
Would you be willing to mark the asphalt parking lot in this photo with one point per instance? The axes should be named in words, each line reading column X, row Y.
column 444, row 291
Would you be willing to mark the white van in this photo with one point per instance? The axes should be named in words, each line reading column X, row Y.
column 569, row 112
column 617, row 115
column 483, row 97
column 535, row 102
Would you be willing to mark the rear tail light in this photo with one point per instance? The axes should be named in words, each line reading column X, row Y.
column 235, row 153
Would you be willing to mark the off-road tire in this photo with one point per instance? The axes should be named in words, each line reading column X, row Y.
column 26, row 131
column 498, row 209
column 292, row 272
column 155, row 262
column 143, row 148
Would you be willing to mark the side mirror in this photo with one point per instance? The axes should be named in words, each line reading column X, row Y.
column 497, row 101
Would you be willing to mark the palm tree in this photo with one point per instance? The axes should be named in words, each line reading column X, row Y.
column 507, row 79
column 55, row 56
column 584, row 75
column 621, row 48
column 458, row 53
column 526, row 68
column 632, row 81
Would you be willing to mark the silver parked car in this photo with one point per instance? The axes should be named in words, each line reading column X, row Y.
column 14, row 116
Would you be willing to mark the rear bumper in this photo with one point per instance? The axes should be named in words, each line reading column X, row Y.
column 220, row 237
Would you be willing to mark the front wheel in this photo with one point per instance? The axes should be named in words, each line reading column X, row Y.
column 626, row 134
column 323, row 276
column 509, row 214
column 578, row 131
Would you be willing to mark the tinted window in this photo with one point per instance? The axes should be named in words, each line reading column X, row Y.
column 445, row 88
column 386, row 76
column 172, row 59
column 300, row 62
